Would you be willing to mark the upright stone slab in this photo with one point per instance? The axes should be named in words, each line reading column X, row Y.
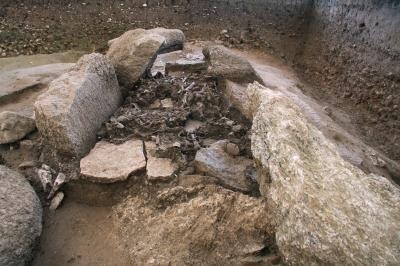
column 326, row 211
column 133, row 53
column 69, row 114
column 20, row 218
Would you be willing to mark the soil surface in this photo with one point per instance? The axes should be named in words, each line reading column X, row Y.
column 78, row 234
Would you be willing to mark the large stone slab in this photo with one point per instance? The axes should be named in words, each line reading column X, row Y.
column 326, row 211
column 231, row 171
column 20, row 218
column 70, row 113
column 109, row 163
column 133, row 53
column 14, row 127
column 226, row 64
column 19, row 88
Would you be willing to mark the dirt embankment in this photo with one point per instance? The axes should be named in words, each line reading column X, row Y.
column 348, row 51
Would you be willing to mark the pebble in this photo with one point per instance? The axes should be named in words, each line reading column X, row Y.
column 232, row 149
column 167, row 103
column 237, row 128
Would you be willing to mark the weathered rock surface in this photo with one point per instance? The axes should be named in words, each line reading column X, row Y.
column 133, row 53
column 17, row 80
column 20, row 218
column 70, row 113
column 158, row 169
column 24, row 78
column 108, row 163
column 224, row 63
column 238, row 97
column 190, row 59
column 326, row 211
column 14, row 126
column 233, row 172
column 195, row 225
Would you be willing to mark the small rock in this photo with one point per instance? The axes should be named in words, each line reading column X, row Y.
column 56, row 201
column 167, row 103
column 14, row 126
column 119, row 125
column 232, row 149
column 160, row 168
column 156, row 104
column 231, row 171
column 192, row 126
column 237, row 128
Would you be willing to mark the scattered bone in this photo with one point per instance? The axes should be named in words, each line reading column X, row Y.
column 60, row 180
column 46, row 178
column 56, row 201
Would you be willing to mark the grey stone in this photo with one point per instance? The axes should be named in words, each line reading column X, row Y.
column 70, row 113
column 20, row 218
column 326, row 211
column 224, row 63
column 14, row 126
column 231, row 171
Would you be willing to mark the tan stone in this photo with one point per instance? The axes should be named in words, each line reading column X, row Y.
column 160, row 168
column 108, row 163
column 133, row 53
column 326, row 211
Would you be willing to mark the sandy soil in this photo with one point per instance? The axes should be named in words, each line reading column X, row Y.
column 79, row 234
